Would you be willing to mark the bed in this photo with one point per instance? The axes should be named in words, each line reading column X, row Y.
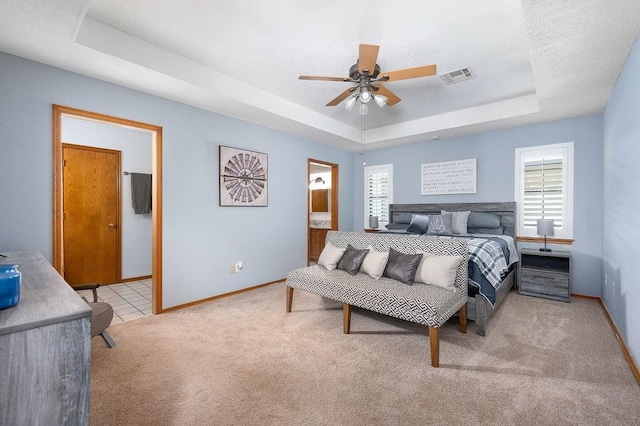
column 492, row 251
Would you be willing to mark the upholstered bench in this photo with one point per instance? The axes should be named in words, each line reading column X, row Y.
column 426, row 304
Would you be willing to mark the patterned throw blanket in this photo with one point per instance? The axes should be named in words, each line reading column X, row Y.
column 489, row 261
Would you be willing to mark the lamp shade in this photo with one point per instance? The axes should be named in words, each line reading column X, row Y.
column 350, row 103
column 545, row 227
column 373, row 222
column 381, row 100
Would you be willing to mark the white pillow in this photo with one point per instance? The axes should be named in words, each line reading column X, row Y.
column 459, row 221
column 438, row 270
column 330, row 256
column 375, row 262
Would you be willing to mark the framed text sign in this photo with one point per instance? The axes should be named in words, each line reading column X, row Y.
column 450, row 177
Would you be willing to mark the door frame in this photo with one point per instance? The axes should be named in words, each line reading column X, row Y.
column 334, row 199
column 156, row 203
column 118, row 200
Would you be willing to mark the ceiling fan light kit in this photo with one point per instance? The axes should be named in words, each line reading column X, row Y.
column 381, row 100
column 350, row 103
column 365, row 97
column 369, row 84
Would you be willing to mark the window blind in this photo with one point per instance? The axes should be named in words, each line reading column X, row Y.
column 543, row 191
column 378, row 194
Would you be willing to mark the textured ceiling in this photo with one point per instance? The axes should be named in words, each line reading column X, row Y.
column 534, row 61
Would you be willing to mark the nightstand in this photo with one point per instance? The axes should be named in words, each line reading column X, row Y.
column 546, row 274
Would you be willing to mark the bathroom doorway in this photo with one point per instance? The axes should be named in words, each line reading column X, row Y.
column 322, row 212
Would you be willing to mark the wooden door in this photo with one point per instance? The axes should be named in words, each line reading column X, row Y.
column 91, row 215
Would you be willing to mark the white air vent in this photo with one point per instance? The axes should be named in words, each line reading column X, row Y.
column 458, row 75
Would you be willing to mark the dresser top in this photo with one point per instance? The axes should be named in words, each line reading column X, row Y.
column 45, row 298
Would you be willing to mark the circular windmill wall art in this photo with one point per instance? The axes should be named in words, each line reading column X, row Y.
column 243, row 177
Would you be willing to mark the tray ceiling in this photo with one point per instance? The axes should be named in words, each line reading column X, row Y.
column 533, row 61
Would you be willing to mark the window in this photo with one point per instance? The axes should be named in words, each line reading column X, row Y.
column 378, row 193
column 544, row 188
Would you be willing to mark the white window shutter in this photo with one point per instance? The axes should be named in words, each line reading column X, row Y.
column 378, row 188
column 543, row 191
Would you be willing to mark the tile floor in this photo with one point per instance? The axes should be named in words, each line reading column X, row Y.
column 129, row 300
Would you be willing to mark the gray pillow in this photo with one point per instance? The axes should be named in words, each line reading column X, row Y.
column 494, row 231
column 403, row 218
column 402, row 267
column 352, row 259
column 459, row 221
column 440, row 224
column 419, row 224
column 483, row 220
column 402, row 226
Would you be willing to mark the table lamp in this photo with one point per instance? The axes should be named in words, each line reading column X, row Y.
column 545, row 227
column 373, row 222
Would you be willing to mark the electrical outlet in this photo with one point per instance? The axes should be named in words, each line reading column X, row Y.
column 236, row 267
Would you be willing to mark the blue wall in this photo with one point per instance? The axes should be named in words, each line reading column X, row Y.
column 495, row 154
column 621, row 250
column 200, row 239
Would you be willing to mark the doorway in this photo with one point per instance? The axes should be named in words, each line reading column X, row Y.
column 155, row 132
column 322, row 212
column 91, row 229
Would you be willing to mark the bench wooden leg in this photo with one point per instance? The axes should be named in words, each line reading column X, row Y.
column 434, row 342
column 462, row 315
column 289, row 298
column 346, row 318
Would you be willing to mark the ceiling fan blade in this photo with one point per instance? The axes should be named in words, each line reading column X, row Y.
column 367, row 59
column 424, row 71
column 317, row 77
column 341, row 97
column 392, row 98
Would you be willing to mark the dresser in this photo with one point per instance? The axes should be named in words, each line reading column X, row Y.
column 45, row 349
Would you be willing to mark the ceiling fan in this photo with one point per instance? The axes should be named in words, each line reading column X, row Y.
column 366, row 74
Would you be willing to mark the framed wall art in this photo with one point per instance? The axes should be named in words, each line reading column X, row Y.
column 243, row 178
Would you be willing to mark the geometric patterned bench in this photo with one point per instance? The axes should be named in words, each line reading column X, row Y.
column 420, row 303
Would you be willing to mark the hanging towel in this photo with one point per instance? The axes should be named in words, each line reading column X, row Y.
column 141, row 193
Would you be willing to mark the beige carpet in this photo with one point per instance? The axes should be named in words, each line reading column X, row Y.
column 243, row 361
